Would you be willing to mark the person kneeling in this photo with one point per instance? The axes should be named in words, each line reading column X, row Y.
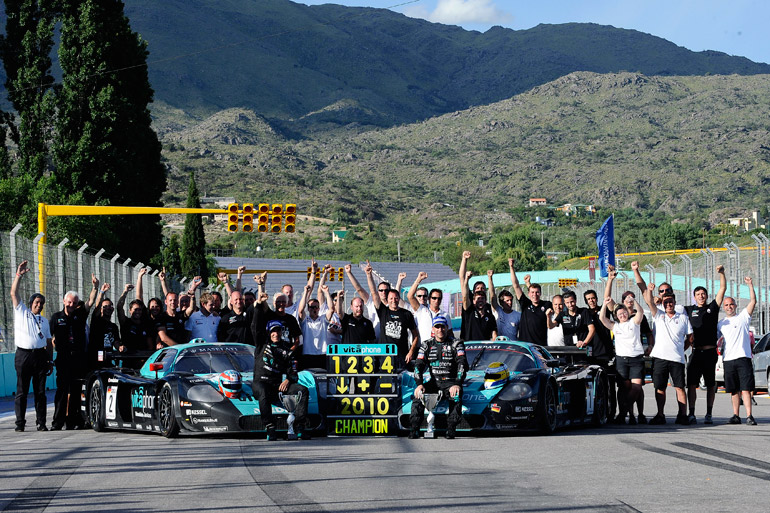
column 274, row 358
column 444, row 359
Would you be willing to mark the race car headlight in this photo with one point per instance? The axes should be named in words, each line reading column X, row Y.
column 515, row 391
column 204, row 393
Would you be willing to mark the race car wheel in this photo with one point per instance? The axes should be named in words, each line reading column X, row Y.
column 601, row 401
column 548, row 410
column 96, row 406
column 169, row 427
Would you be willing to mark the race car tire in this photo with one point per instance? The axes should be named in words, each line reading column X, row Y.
column 601, row 401
column 169, row 427
column 548, row 410
column 96, row 406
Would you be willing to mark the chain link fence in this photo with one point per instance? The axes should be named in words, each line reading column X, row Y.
column 683, row 272
column 57, row 269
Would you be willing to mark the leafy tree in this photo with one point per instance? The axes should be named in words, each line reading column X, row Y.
column 26, row 50
column 105, row 151
column 193, row 254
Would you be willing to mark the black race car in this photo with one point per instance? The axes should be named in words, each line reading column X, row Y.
column 203, row 387
column 518, row 386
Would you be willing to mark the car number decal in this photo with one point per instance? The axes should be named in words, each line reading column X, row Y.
column 111, row 400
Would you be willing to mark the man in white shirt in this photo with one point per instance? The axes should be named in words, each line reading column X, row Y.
column 34, row 352
column 314, row 327
column 425, row 313
column 736, row 354
column 673, row 335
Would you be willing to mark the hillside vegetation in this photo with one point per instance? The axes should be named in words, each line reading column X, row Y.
column 680, row 145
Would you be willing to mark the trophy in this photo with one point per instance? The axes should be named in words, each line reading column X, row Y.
column 290, row 404
column 431, row 403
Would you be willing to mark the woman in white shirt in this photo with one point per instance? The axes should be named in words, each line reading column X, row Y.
column 629, row 353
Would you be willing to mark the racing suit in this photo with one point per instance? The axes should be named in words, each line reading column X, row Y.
column 273, row 360
column 447, row 365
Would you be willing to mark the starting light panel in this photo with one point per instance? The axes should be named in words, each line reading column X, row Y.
column 248, row 217
column 232, row 217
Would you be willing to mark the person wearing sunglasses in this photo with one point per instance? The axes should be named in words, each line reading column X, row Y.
column 739, row 372
column 673, row 335
column 426, row 311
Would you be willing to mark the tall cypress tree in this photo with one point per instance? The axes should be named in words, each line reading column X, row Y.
column 105, row 151
column 193, row 239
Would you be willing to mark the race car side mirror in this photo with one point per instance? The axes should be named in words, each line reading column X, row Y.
column 155, row 367
column 556, row 362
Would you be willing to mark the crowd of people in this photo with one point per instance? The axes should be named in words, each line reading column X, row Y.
column 290, row 336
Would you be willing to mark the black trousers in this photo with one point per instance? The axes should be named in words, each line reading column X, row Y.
column 31, row 365
column 69, row 379
column 267, row 393
column 455, row 407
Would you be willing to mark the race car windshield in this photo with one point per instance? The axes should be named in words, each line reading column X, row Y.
column 215, row 361
column 514, row 359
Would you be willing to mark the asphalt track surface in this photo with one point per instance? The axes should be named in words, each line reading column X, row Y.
column 615, row 468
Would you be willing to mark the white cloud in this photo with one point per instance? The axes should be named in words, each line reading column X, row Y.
column 460, row 12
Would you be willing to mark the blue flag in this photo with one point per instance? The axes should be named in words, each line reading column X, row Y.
column 605, row 240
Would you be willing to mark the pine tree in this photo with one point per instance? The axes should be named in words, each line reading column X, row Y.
column 193, row 239
column 105, row 151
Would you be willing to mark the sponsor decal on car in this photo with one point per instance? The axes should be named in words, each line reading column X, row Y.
column 142, row 414
column 196, row 412
column 112, row 424
column 113, row 380
column 185, row 403
column 519, row 409
column 204, row 420
column 142, row 400
column 215, row 429
column 516, row 417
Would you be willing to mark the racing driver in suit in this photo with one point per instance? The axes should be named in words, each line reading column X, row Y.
column 275, row 357
column 445, row 359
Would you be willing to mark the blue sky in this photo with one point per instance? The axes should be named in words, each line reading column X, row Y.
column 736, row 27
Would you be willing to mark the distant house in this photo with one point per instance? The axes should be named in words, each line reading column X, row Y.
column 537, row 202
column 746, row 224
column 338, row 235
column 544, row 221
column 575, row 209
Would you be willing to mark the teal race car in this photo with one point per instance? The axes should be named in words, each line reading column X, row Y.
column 518, row 386
column 196, row 387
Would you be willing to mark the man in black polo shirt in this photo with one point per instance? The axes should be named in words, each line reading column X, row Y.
column 576, row 323
column 704, row 318
column 533, row 327
column 602, row 347
column 68, row 328
column 478, row 323
column 170, row 325
column 104, row 336
column 235, row 324
column 356, row 329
